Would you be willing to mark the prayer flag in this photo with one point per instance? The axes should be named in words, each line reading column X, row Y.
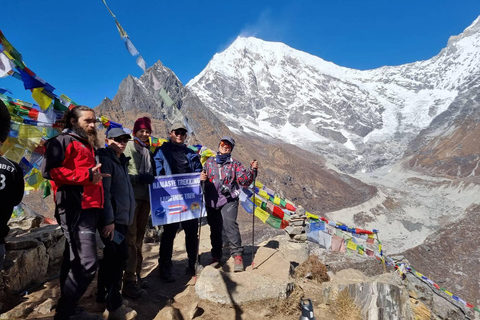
column 6, row 65
column 276, row 200
column 351, row 245
column 42, row 99
column 261, row 214
column 274, row 222
column 338, row 244
column 325, row 239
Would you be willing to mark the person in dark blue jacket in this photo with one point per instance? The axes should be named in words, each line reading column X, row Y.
column 118, row 212
column 174, row 157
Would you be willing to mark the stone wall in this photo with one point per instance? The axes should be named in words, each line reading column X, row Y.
column 33, row 256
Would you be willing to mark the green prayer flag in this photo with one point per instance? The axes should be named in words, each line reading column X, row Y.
column 274, row 222
column 166, row 98
column 263, row 206
column 57, row 105
column 283, row 203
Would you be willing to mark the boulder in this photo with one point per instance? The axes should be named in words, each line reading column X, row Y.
column 269, row 280
column 29, row 266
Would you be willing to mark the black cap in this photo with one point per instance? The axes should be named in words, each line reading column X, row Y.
column 116, row 132
column 229, row 139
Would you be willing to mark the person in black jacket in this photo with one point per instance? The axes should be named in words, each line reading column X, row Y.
column 118, row 212
column 11, row 183
column 174, row 157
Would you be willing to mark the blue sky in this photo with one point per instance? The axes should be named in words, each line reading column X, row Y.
column 75, row 46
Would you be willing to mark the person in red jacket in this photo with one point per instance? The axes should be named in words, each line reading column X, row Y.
column 11, row 183
column 70, row 163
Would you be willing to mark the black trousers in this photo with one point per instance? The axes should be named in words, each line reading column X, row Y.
column 112, row 265
column 225, row 218
column 79, row 257
column 169, row 232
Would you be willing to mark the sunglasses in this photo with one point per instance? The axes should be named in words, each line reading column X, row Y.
column 225, row 145
column 180, row 132
column 121, row 139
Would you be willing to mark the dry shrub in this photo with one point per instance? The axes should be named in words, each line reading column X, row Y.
column 314, row 267
column 290, row 305
column 344, row 308
column 420, row 311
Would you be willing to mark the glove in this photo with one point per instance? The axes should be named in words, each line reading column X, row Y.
column 146, row 178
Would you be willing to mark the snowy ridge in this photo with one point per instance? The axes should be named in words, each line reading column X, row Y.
column 275, row 91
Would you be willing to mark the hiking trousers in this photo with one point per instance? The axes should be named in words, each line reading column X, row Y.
column 136, row 234
column 190, row 227
column 225, row 217
column 79, row 257
column 110, row 271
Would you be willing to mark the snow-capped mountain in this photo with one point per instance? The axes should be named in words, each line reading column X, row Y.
column 361, row 119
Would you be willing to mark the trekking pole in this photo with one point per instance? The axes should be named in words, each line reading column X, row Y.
column 255, row 172
column 202, row 185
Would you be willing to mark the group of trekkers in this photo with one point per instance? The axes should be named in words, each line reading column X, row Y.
column 107, row 190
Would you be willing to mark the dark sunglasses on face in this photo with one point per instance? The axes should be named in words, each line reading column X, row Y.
column 180, row 132
column 121, row 139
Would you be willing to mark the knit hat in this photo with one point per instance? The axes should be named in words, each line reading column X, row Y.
column 4, row 121
column 142, row 123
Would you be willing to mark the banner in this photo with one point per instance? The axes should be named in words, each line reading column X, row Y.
column 176, row 198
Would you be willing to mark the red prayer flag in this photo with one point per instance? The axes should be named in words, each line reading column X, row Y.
column 278, row 212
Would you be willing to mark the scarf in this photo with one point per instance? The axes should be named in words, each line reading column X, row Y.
column 221, row 158
column 143, row 149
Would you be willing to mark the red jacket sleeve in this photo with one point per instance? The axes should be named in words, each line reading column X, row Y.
column 64, row 165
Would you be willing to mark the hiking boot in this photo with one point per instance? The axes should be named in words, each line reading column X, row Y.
column 131, row 290
column 166, row 273
column 238, row 264
column 142, row 283
column 215, row 262
column 122, row 313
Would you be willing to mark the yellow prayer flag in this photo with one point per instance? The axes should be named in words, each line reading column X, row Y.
column 311, row 216
column 261, row 214
column 258, row 184
column 371, row 236
column 360, row 251
column 276, row 200
column 12, row 150
column 205, row 155
column 34, row 178
column 9, row 56
column 263, row 194
column 42, row 99
column 418, row 274
column 29, row 136
column 351, row 245
column 449, row 293
column 258, row 201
